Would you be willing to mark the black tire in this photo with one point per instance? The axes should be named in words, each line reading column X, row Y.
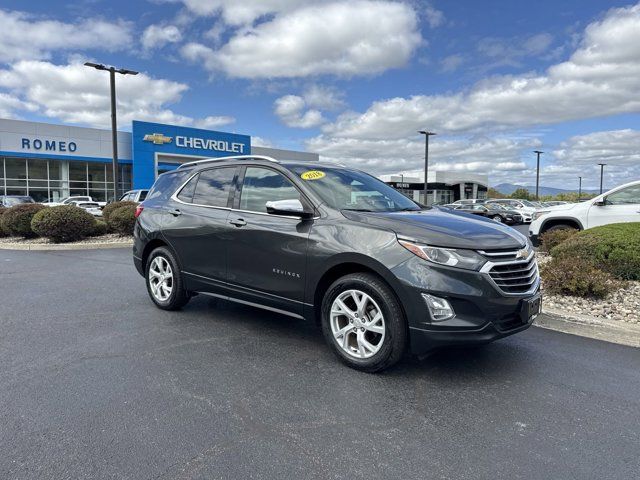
column 562, row 226
column 179, row 296
column 395, row 339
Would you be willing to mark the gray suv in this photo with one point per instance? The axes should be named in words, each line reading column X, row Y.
column 381, row 274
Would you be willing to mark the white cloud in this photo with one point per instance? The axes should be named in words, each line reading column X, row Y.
column 358, row 37
column 600, row 79
column 451, row 63
column 435, row 17
column 198, row 53
column 212, row 122
column 323, row 97
column 616, row 148
column 157, row 36
column 10, row 104
column 76, row 94
column 290, row 109
column 24, row 36
column 244, row 12
column 475, row 154
column 510, row 50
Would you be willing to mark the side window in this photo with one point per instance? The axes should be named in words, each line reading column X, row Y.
column 626, row 196
column 213, row 187
column 186, row 194
column 262, row 185
column 143, row 195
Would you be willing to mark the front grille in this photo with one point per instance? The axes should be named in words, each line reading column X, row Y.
column 510, row 275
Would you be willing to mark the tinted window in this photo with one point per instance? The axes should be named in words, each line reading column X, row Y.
column 186, row 194
column 167, row 183
column 262, row 185
column 213, row 187
column 626, row 196
column 143, row 195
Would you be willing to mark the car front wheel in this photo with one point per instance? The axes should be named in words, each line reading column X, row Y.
column 164, row 282
column 363, row 323
column 497, row 218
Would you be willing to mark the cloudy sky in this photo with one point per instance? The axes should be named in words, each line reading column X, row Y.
column 352, row 80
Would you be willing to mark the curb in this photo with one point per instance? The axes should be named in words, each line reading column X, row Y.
column 61, row 246
column 622, row 333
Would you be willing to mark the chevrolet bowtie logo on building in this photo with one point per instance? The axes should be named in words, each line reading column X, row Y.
column 157, row 138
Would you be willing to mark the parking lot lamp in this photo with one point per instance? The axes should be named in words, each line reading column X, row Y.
column 601, row 175
column 114, row 124
column 426, row 134
column 538, row 153
column 579, row 188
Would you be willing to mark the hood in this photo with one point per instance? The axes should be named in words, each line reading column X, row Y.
column 444, row 228
column 559, row 208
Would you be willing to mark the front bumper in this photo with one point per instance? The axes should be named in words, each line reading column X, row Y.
column 483, row 312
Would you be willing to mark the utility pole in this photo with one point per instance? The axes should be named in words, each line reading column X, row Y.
column 538, row 153
column 601, row 175
column 579, row 188
column 114, row 124
column 426, row 134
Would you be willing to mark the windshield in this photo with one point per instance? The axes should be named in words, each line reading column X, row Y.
column 353, row 190
column 527, row 203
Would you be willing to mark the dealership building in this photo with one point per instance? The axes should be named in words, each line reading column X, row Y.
column 52, row 161
column 442, row 187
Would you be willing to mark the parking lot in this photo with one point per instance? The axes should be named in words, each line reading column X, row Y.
column 97, row 382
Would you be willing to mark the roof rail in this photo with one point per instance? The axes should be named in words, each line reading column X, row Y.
column 237, row 157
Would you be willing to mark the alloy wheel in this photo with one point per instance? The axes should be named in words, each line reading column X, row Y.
column 357, row 324
column 160, row 278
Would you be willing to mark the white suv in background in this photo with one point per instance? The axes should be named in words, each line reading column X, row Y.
column 620, row 205
column 524, row 207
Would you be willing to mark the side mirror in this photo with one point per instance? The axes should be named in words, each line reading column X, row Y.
column 600, row 203
column 290, row 207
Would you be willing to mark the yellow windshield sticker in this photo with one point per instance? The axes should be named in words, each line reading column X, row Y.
column 312, row 175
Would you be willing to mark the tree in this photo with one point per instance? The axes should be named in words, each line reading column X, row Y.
column 493, row 193
column 522, row 193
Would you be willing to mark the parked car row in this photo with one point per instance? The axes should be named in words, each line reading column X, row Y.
column 506, row 210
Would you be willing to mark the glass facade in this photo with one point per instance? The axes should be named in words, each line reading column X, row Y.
column 52, row 180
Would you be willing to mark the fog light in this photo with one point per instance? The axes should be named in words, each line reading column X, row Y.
column 439, row 308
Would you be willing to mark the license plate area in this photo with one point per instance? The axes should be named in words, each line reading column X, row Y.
column 531, row 308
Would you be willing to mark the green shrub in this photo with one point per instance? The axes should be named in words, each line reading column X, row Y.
column 3, row 232
column 110, row 208
column 64, row 223
column 17, row 219
column 578, row 278
column 553, row 238
column 100, row 228
column 123, row 219
column 613, row 248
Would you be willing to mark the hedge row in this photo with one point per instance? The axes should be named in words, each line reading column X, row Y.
column 65, row 223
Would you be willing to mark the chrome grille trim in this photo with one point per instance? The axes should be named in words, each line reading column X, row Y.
column 509, row 276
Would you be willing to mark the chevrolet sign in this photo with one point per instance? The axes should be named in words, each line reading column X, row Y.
column 209, row 144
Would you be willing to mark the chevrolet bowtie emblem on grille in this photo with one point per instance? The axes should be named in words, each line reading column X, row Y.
column 524, row 253
column 157, row 138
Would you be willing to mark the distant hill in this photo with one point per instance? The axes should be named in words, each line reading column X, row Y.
column 509, row 188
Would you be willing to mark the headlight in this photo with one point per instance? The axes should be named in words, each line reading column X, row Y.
column 467, row 259
column 537, row 215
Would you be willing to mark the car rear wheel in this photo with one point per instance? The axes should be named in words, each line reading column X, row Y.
column 497, row 218
column 363, row 323
column 164, row 282
column 562, row 226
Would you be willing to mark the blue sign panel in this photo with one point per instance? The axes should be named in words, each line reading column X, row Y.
column 152, row 140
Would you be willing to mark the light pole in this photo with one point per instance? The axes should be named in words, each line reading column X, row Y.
column 426, row 134
column 538, row 153
column 601, row 175
column 114, row 124
column 579, row 188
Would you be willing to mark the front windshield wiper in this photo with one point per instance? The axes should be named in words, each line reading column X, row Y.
column 409, row 209
column 357, row 210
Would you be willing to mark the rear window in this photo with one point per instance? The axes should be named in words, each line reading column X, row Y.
column 213, row 187
column 166, row 184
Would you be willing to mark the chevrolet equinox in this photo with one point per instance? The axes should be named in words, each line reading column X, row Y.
column 380, row 273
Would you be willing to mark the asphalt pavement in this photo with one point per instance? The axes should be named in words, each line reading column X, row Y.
column 95, row 382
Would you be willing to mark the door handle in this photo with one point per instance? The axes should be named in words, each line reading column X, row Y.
column 238, row 222
column 175, row 212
